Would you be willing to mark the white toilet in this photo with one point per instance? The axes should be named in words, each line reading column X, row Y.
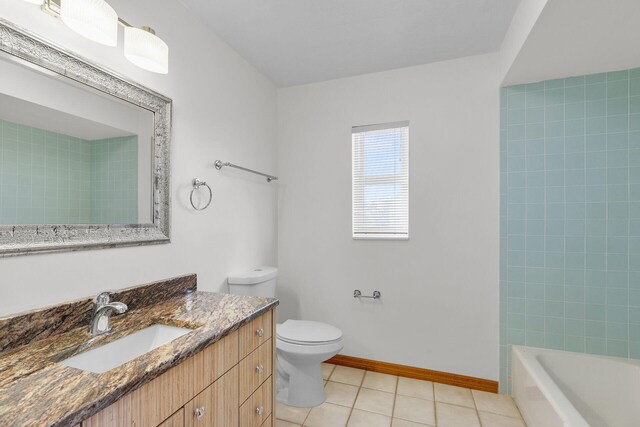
column 301, row 345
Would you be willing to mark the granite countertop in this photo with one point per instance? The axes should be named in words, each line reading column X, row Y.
column 37, row 391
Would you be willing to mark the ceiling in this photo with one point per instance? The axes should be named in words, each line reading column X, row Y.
column 302, row 41
column 578, row 37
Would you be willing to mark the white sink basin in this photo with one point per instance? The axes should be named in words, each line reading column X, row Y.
column 118, row 352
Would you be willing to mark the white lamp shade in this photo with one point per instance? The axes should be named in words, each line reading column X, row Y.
column 93, row 19
column 146, row 50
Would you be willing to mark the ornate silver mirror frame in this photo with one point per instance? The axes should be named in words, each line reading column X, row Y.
column 25, row 239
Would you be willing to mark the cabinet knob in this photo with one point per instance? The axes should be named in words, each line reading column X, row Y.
column 259, row 332
column 259, row 369
column 199, row 412
column 259, row 410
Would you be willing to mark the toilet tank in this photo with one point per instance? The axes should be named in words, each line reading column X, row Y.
column 259, row 282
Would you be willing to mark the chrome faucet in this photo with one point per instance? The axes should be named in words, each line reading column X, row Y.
column 103, row 308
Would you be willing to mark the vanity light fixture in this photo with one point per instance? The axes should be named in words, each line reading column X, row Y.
column 97, row 21
column 93, row 19
column 146, row 50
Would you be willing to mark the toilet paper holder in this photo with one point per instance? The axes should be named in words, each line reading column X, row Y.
column 358, row 294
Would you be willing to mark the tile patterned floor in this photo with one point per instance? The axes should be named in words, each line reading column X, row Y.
column 357, row 398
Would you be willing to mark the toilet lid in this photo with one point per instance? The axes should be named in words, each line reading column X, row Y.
column 307, row 332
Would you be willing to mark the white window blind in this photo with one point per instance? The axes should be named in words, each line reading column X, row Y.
column 381, row 181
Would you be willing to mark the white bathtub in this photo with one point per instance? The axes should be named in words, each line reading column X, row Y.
column 563, row 389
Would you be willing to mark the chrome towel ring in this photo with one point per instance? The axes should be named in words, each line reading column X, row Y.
column 196, row 185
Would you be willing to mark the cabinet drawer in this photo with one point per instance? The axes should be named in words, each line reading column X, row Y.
column 255, row 333
column 255, row 368
column 217, row 405
column 257, row 409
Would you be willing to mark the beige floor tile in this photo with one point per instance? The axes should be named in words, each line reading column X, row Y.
column 495, row 420
column 327, row 369
column 282, row 423
column 291, row 413
column 340, row 394
column 378, row 381
column 328, row 415
column 344, row 374
column 455, row 395
column 397, row 422
column 455, row 416
column 376, row 401
column 496, row 403
column 415, row 388
column 416, row 410
column 368, row 419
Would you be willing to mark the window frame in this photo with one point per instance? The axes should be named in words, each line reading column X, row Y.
column 359, row 185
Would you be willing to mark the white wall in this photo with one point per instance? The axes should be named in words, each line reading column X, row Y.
column 440, row 289
column 222, row 108
column 578, row 37
column 522, row 23
column 439, row 306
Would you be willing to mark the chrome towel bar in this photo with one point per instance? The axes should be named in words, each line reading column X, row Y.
column 219, row 165
column 358, row 294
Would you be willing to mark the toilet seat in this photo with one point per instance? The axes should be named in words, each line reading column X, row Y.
column 301, row 346
column 306, row 332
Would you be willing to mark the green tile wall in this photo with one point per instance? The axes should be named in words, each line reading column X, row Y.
column 43, row 176
column 570, row 216
column 114, row 181
column 50, row 178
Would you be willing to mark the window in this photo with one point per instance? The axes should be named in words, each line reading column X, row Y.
column 381, row 181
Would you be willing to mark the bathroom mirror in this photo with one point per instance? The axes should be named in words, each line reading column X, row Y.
column 84, row 153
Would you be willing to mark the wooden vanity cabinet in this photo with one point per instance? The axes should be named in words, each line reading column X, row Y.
column 175, row 420
column 228, row 384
